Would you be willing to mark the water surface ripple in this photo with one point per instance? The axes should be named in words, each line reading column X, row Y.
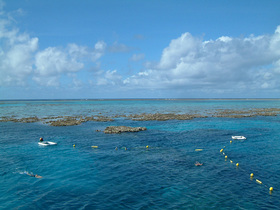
column 162, row 176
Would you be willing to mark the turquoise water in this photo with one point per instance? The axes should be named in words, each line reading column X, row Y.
column 162, row 176
column 112, row 107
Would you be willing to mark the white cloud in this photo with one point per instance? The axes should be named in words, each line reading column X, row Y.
column 183, row 47
column 54, row 62
column 101, row 45
column 110, row 78
column 21, row 60
column 16, row 55
column 99, row 50
column 226, row 63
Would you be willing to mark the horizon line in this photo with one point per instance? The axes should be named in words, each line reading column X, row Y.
column 97, row 99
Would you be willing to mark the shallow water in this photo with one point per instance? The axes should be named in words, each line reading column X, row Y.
column 162, row 176
column 49, row 108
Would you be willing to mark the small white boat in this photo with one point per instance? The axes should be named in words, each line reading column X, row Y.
column 238, row 137
column 47, row 143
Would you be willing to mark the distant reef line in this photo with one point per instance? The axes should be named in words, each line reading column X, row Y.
column 145, row 99
column 77, row 120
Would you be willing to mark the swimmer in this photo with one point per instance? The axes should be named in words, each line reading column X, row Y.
column 32, row 175
column 41, row 139
column 198, row 163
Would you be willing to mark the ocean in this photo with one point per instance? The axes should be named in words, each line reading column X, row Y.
column 152, row 169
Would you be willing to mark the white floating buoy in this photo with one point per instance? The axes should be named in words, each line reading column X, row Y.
column 258, row 181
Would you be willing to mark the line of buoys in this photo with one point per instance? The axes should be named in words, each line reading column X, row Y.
column 116, row 148
column 251, row 175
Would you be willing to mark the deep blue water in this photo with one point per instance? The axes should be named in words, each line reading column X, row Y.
column 162, row 176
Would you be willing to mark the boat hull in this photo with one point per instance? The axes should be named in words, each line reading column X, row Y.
column 238, row 137
column 47, row 143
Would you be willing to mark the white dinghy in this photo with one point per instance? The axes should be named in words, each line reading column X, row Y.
column 47, row 143
column 238, row 137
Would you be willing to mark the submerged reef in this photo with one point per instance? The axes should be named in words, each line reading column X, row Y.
column 77, row 120
column 246, row 113
column 71, row 120
column 121, row 129
column 163, row 117
column 23, row 120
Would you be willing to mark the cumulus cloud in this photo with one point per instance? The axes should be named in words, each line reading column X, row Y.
column 16, row 53
column 51, row 63
column 225, row 63
column 110, row 78
column 54, row 62
column 21, row 59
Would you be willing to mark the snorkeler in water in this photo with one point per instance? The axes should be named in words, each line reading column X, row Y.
column 198, row 163
column 32, row 175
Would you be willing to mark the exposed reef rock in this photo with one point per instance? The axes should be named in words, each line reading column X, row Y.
column 68, row 120
column 163, row 117
column 98, row 118
column 23, row 120
column 121, row 129
column 77, row 120
column 246, row 113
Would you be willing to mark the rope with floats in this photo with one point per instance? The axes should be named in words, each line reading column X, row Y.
column 237, row 165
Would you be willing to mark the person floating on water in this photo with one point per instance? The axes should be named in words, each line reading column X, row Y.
column 198, row 163
column 32, row 175
column 41, row 139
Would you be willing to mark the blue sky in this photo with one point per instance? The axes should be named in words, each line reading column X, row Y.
column 66, row 49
